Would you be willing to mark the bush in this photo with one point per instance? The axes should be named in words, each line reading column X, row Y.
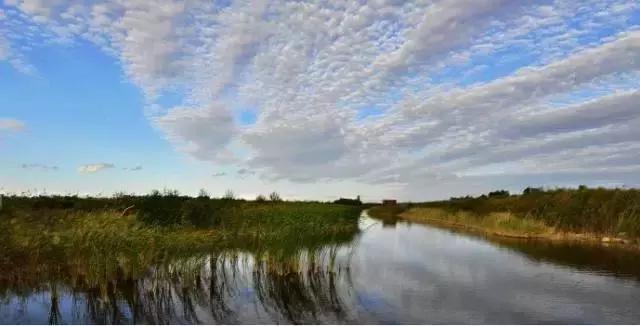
column 198, row 212
column 161, row 209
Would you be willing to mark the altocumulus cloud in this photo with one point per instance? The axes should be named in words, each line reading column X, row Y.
column 469, row 95
column 95, row 167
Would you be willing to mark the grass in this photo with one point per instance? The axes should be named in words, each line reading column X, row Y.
column 86, row 246
column 194, row 245
column 583, row 213
column 193, row 223
column 584, row 210
column 502, row 223
column 386, row 212
column 59, row 231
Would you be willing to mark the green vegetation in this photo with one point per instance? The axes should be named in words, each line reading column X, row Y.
column 349, row 201
column 387, row 213
column 583, row 210
column 165, row 222
column 104, row 249
column 498, row 223
column 551, row 213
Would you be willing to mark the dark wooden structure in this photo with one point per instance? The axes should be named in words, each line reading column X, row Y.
column 389, row 202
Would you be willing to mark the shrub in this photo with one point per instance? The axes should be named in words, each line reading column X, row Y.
column 198, row 212
column 160, row 209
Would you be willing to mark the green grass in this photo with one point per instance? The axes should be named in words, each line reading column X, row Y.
column 38, row 233
column 597, row 211
column 386, row 213
column 503, row 223
column 86, row 244
column 194, row 223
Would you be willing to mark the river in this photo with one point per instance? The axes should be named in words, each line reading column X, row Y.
column 394, row 273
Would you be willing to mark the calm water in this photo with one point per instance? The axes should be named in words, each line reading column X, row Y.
column 399, row 273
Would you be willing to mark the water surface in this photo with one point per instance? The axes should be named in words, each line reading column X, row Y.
column 392, row 273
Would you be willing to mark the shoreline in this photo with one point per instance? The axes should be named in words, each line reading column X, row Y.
column 420, row 216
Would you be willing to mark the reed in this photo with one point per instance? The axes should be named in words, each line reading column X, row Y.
column 583, row 210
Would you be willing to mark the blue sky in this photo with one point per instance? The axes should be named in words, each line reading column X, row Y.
column 411, row 100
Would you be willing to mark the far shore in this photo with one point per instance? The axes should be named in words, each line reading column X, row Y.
column 499, row 224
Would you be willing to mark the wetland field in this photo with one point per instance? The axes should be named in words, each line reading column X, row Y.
column 166, row 258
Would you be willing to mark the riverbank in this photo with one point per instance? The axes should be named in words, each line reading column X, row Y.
column 497, row 224
column 34, row 228
column 505, row 224
column 600, row 215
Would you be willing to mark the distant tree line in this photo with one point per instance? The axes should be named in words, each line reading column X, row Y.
column 527, row 191
column 348, row 201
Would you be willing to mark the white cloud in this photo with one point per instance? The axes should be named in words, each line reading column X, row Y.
column 95, row 167
column 11, row 125
column 444, row 26
column 201, row 132
column 462, row 89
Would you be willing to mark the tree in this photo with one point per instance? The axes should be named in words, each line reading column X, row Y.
column 203, row 194
column 171, row 193
column 274, row 196
column 499, row 193
column 229, row 195
column 531, row 190
column 348, row 201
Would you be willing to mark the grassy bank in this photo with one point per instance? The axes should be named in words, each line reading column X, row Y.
column 86, row 243
column 596, row 211
column 36, row 229
column 609, row 215
column 386, row 213
column 500, row 223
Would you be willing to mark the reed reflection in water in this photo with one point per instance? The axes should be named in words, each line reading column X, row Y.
column 311, row 286
column 387, row 273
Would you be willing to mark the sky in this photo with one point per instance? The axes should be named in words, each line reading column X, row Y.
column 414, row 100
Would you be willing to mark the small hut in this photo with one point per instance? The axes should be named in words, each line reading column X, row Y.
column 389, row 202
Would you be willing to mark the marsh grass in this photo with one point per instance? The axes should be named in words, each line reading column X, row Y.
column 238, row 224
column 584, row 210
column 57, row 235
column 501, row 223
column 183, row 254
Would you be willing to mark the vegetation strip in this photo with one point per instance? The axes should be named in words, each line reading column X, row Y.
column 610, row 216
